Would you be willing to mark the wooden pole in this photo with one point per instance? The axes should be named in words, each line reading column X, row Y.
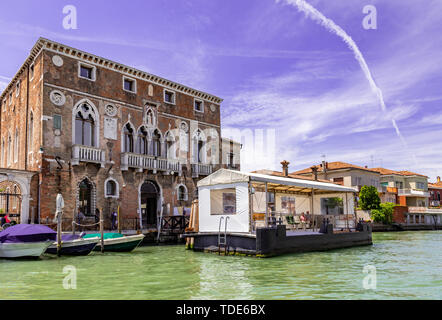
column 267, row 207
column 102, row 230
column 59, row 215
column 312, row 205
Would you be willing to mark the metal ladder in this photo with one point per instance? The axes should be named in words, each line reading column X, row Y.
column 222, row 238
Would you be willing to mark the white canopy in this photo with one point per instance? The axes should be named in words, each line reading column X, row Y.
column 226, row 176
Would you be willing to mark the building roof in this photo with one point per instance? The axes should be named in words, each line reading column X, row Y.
column 404, row 173
column 291, row 175
column 436, row 185
column 226, row 176
column 45, row 44
column 336, row 165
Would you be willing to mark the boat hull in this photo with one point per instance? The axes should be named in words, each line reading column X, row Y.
column 80, row 247
column 123, row 244
column 23, row 249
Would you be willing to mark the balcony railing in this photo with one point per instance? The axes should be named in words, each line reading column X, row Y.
column 87, row 154
column 424, row 210
column 200, row 169
column 413, row 193
column 142, row 162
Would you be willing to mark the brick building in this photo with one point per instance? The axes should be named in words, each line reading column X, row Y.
column 435, row 190
column 105, row 135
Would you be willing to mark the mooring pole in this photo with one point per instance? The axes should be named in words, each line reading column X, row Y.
column 59, row 215
column 102, row 230
column 59, row 204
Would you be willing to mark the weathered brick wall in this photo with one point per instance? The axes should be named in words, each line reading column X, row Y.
column 399, row 214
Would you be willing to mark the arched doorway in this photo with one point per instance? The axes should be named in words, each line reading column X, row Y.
column 10, row 201
column 85, row 197
column 149, row 195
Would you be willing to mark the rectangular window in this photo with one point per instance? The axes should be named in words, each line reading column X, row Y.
column 129, row 85
column 223, row 201
column 86, row 71
column 339, row 181
column 169, row 96
column 198, row 105
column 57, row 121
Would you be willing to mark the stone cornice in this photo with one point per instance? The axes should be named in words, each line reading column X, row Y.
column 45, row 44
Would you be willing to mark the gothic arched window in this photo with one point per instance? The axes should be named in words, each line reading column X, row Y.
column 142, row 141
column 156, row 143
column 128, row 138
column 85, row 126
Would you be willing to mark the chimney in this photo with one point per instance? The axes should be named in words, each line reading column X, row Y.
column 438, row 179
column 285, row 168
column 314, row 173
column 324, row 169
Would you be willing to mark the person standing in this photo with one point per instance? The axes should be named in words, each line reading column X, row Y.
column 114, row 216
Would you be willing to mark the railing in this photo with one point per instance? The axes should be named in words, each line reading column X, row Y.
column 87, row 154
column 296, row 222
column 200, row 169
column 413, row 192
column 423, row 210
column 174, row 223
column 386, row 189
column 142, row 161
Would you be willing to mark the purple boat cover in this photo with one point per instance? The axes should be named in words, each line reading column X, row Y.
column 27, row 233
column 70, row 237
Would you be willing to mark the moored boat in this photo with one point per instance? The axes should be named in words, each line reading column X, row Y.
column 116, row 241
column 25, row 241
column 74, row 245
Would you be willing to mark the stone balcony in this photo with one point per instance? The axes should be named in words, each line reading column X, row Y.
column 147, row 162
column 90, row 154
column 200, row 169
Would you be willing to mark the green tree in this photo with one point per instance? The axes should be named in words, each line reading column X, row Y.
column 384, row 214
column 369, row 198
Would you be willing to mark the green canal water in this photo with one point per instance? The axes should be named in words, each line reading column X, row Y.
column 408, row 266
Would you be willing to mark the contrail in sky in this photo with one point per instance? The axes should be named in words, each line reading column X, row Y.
column 317, row 16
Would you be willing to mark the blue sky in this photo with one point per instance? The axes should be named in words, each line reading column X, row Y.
column 275, row 68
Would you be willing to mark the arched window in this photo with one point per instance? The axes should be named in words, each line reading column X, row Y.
column 111, row 190
column 170, row 146
column 9, row 150
column 3, row 153
column 156, row 143
column 182, row 193
column 16, row 145
column 85, row 197
column 85, row 126
column 31, row 132
column 199, row 147
column 142, row 141
column 128, row 138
